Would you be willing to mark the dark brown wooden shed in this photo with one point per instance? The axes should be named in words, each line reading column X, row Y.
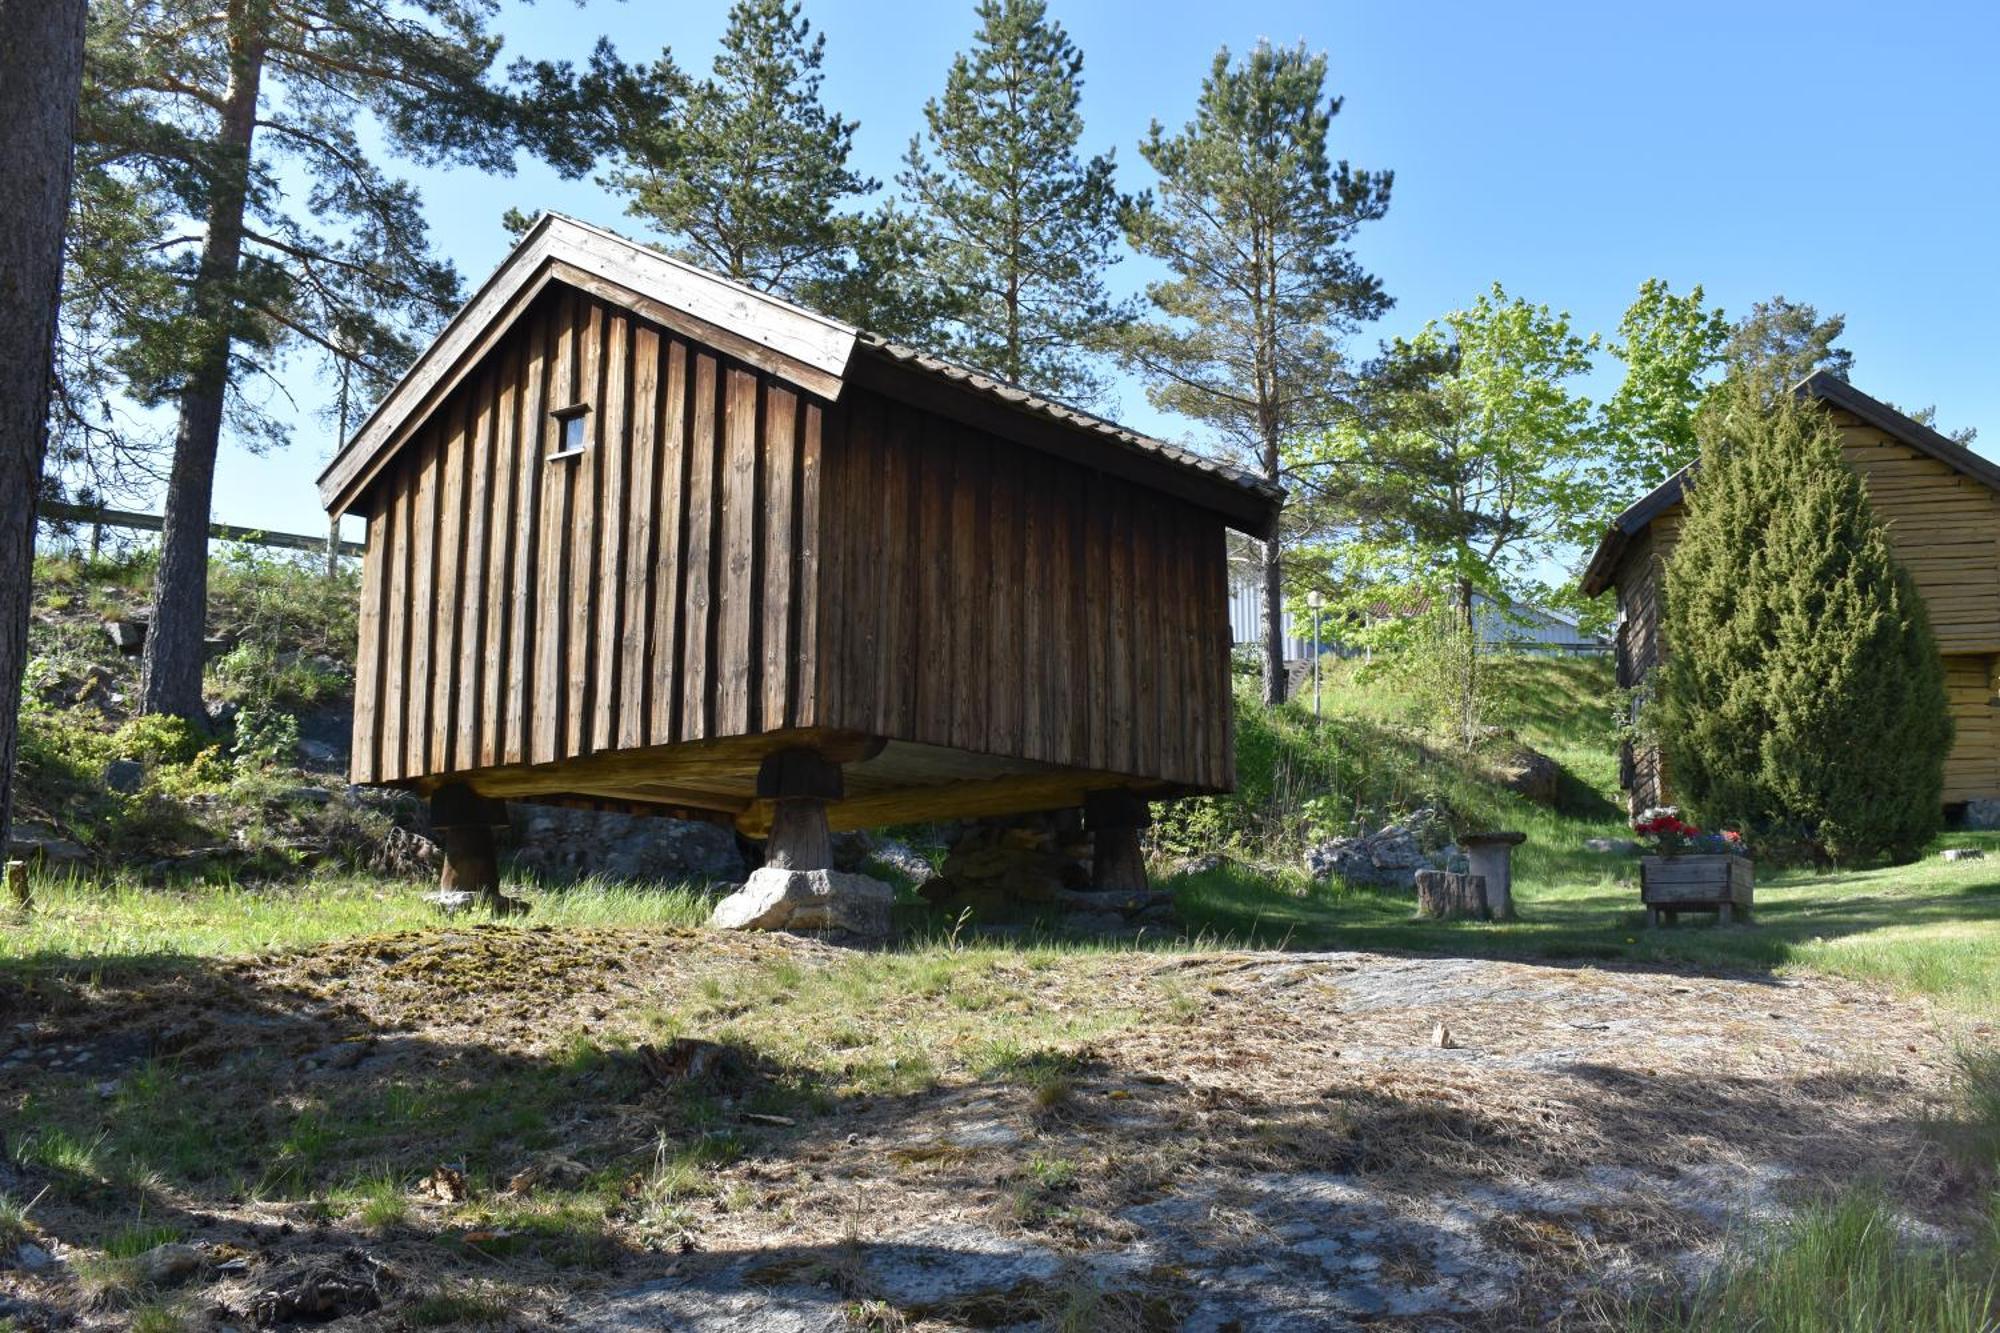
column 634, row 530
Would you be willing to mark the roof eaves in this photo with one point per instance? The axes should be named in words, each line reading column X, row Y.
column 1831, row 389
column 1029, row 401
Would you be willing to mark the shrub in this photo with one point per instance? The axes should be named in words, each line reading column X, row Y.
column 159, row 739
column 1802, row 695
column 266, row 734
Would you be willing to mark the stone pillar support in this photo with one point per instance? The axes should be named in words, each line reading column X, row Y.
column 799, row 783
column 1115, row 818
column 1492, row 857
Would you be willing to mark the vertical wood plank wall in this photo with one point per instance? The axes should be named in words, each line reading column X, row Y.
column 654, row 589
column 729, row 556
column 997, row 599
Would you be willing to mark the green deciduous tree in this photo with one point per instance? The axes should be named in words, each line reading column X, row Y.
column 1024, row 227
column 231, row 215
column 1254, row 220
column 1470, row 468
column 1671, row 346
column 747, row 173
column 1802, row 696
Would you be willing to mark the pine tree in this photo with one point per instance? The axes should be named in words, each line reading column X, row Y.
column 749, row 175
column 1780, row 342
column 197, row 274
column 43, row 40
column 1254, row 220
column 1802, row 696
column 1023, row 227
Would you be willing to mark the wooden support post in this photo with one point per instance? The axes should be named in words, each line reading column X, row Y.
column 471, row 863
column 799, row 783
column 17, row 885
column 1114, row 820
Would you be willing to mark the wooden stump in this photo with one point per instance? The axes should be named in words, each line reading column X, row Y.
column 1115, row 820
column 1446, row 895
column 799, row 783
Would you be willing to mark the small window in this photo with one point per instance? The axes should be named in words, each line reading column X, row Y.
column 572, row 434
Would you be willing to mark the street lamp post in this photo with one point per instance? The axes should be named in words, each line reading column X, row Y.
column 1315, row 600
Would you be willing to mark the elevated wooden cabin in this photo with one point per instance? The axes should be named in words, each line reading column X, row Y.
column 1941, row 504
column 634, row 530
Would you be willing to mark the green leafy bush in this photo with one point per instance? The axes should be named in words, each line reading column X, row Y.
column 266, row 735
column 1802, row 697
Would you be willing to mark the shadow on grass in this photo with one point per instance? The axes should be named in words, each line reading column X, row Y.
column 229, row 1083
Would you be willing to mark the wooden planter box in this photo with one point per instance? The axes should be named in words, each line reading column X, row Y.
column 1714, row 882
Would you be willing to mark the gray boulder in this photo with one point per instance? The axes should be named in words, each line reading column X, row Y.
column 318, row 752
column 774, row 898
column 124, row 776
column 1611, row 846
column 1532, row 774
column 34, row 842
column 570, row 844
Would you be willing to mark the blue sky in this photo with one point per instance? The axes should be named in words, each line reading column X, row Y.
column 1847, row 155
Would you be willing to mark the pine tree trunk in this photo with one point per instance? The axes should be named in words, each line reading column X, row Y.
column 43, row 41
column 174, row 644
column 1468, row 677
column 1275, row 681
column 1274, row 623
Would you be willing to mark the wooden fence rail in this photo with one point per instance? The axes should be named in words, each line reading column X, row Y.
column 100, row 518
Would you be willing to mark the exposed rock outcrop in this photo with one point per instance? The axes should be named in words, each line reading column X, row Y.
column 1391, row 856
column 570, row 844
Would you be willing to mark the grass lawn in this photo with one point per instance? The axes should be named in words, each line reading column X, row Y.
column 1932, row 928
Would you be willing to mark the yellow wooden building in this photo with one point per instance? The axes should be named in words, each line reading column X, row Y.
column 1941, row 504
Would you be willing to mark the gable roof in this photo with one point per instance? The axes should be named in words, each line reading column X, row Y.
column 1821, row 387
column 807, row 350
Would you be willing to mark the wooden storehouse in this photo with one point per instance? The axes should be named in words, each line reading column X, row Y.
column 642, row 538
column 1941, row 505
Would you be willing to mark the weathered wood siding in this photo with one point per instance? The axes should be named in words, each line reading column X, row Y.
column 1944, row 527
column 728, row 556
column 1641, row 580
column 656, row 588
column 1001, row 600
column 1972, row 769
